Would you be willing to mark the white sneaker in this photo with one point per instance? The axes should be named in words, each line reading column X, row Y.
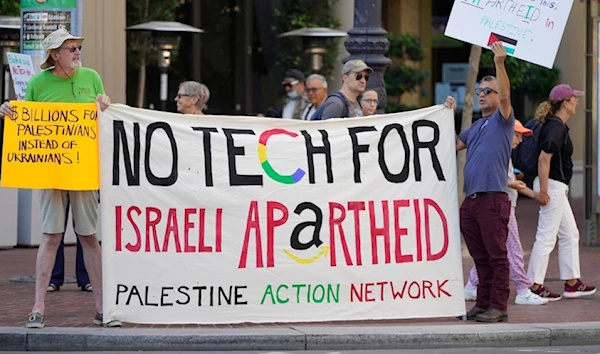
column 530, row 298
column 470, row 295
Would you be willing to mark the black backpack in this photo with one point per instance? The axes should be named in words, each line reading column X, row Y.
column 318, row 115
column 525, row 155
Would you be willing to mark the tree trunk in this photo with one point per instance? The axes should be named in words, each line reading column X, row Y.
column 467, row 113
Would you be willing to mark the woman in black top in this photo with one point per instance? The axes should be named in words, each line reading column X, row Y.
column 556, row 219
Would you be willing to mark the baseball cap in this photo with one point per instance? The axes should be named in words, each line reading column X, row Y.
column 519, row 128
column 563, row 91
column 355, row 66
column 53, row 41
column 295, row 74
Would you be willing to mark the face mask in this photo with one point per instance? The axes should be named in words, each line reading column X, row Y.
column 292, row 94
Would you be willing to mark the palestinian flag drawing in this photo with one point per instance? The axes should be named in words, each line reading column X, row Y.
column 509, row 43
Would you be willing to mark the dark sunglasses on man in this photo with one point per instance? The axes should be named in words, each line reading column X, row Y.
column 290, row 84
column 360, row 76
column 72, row 49
column 486, row 91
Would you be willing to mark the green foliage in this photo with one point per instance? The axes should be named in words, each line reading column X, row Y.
column 10, row 7
column 405, row 46
column 140, row 11
column 298, row 14
column 393, row 107
column 535, row 81
column 401, row 77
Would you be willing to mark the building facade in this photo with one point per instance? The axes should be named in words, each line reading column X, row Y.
column 105, row 51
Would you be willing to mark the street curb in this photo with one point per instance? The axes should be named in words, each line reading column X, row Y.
column 423, row 337
column 301, row 337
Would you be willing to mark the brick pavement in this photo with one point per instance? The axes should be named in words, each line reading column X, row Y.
column 71, row 307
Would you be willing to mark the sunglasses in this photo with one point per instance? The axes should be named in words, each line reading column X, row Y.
column 72, row 49
column 360, row 76
column 179, row 95
column 486, row 91
column 290, row 84
column 313, row 89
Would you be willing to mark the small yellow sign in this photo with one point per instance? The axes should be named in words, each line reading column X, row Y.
column 51, row 146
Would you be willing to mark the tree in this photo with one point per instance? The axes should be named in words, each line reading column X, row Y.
column 298, row 14
column 10, row 7
column 403, row 75
column 140, row 52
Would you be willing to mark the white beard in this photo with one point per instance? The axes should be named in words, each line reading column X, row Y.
column 75, row 64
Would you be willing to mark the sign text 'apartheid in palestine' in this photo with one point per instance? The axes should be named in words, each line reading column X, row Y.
column 529, row 29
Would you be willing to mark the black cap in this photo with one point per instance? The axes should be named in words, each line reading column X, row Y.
column 295, row 74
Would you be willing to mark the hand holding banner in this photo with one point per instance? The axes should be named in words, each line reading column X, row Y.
column 51, row 145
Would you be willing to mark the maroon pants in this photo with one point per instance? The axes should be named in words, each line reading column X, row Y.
column 484, row 225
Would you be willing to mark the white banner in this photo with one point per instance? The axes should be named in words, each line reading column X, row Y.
column 529, row 30
column 21, row 70
column 214, row 219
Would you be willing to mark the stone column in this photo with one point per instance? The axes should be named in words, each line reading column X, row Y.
column 367, row 41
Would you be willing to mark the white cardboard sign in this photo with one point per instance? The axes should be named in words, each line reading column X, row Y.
column 529, row 29
column 21, row 70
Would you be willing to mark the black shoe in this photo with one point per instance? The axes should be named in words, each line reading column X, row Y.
column 473, row 312
column 492, row 315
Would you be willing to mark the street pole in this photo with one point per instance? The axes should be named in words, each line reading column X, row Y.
column 367, row 41
column 164, row 63
column 590, row 175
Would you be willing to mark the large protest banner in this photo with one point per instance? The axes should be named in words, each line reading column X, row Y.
column 213, row 219
column 51, row 145
column 529, row 30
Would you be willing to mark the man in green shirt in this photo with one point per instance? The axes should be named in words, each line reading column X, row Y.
column 64, row 80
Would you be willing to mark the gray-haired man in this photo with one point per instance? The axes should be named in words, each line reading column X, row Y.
column 316, row 92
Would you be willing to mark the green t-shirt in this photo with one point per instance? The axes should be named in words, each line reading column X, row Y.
column 83, row 87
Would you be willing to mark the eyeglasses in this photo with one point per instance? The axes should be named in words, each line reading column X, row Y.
column 486, row 91
column 370, row 101
column 72, row 49
column 179, row 95
column 360, row 76
column 290, row 84
column 313, row 89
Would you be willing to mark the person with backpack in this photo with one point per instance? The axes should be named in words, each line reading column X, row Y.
column 556, row 219
column 344, row 103
column 513, row 241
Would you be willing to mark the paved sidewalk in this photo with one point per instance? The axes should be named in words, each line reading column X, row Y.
column 72, row 309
